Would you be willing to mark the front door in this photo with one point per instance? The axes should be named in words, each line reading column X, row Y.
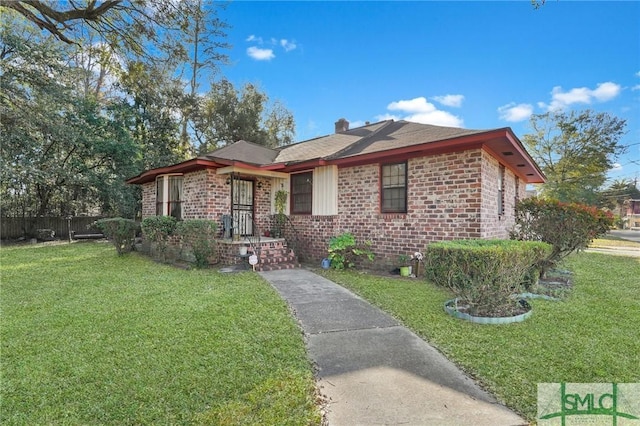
column 242, row 207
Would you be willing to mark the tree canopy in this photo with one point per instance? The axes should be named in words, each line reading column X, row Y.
column 575, row 150
column 98, row 91
column 227, row 115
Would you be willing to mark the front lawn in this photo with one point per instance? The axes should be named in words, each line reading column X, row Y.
column 592, row 336
column 92, row 338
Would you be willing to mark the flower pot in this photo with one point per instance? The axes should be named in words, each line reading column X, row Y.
column 450, row 308
column 243, row 250
column 405, row 271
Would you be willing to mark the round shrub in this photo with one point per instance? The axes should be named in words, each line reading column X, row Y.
column 483, row 274
column 199, row 234
column 121, row 232
column 568, row 227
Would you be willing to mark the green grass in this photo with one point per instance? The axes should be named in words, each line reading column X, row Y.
column 592, row 336
column 92, row 338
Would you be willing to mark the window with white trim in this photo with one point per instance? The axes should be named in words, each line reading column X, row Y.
column 169, row 196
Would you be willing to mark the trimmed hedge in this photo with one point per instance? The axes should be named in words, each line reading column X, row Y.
column 200, row 235
column 158, row 229
column 122, row 232
column 568, row 227
column 484, row 274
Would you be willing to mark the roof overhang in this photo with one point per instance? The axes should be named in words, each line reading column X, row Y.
column 184, row 167
column 508, row 149
column 501, row 144
column 251, row 171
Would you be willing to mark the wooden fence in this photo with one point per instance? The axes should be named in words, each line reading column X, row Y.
column 16, row 227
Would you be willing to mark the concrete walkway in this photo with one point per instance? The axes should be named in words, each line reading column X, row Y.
column 374, row 371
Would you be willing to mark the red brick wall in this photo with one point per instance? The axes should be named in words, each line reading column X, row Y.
column 207, row 195
column 262, row 203
column 148, row 199
column 450, row 196
column 493, row 224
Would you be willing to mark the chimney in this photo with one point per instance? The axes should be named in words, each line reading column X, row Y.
column 342, row 125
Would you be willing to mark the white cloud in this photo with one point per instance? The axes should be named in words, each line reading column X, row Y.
column 254, row 38
column 260, row 54
column 450, row 100
column 636, row 87
column 513, row 112
column 582, row 95
column 420, row 111
column 638, row 74
column 606, row 91
column 288, row 45
column 616, row 167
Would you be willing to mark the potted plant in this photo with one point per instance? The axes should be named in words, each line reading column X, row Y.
column 405, row 267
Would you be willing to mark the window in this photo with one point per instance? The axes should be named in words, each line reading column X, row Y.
column 501, row 191
column 160, row 196
column 169, row 196
column 301, row 193
column 394, row 188
column 516, row 198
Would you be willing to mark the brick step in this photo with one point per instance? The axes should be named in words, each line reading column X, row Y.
column 282, row 259
column 276, row 266
column 264, row 253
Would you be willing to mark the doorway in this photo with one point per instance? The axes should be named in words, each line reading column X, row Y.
column 242, row 206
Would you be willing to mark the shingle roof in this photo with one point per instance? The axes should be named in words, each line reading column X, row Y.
column 326, row 146
column 381, row 136
column 400, row 134
column 244, row 151
column 366, row 143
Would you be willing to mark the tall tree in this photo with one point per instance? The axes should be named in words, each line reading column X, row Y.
column 575, row 151
column 203, row 41
column 69, row 142
column 156, row 99
column 227, row 115
column 127, row 25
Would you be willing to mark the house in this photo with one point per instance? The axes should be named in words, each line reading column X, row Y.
column 397, row 184
column 633, row 214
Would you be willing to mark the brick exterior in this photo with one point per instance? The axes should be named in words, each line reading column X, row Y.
column 450, row 196
column 148, row 199
column 494, row 225
column 444, row 202
column 206, row 196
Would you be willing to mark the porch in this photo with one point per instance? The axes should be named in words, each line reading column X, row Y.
column 272, row 253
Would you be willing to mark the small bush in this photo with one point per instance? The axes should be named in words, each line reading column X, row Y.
column 122, row 232
column 344, row 251
column 200, row 235
column 158, row 229
column 568, row 227
column 483, row 273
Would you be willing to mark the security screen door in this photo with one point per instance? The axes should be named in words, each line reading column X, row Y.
column 242, row 207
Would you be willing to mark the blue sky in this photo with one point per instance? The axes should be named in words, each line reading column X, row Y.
column 476, row 65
